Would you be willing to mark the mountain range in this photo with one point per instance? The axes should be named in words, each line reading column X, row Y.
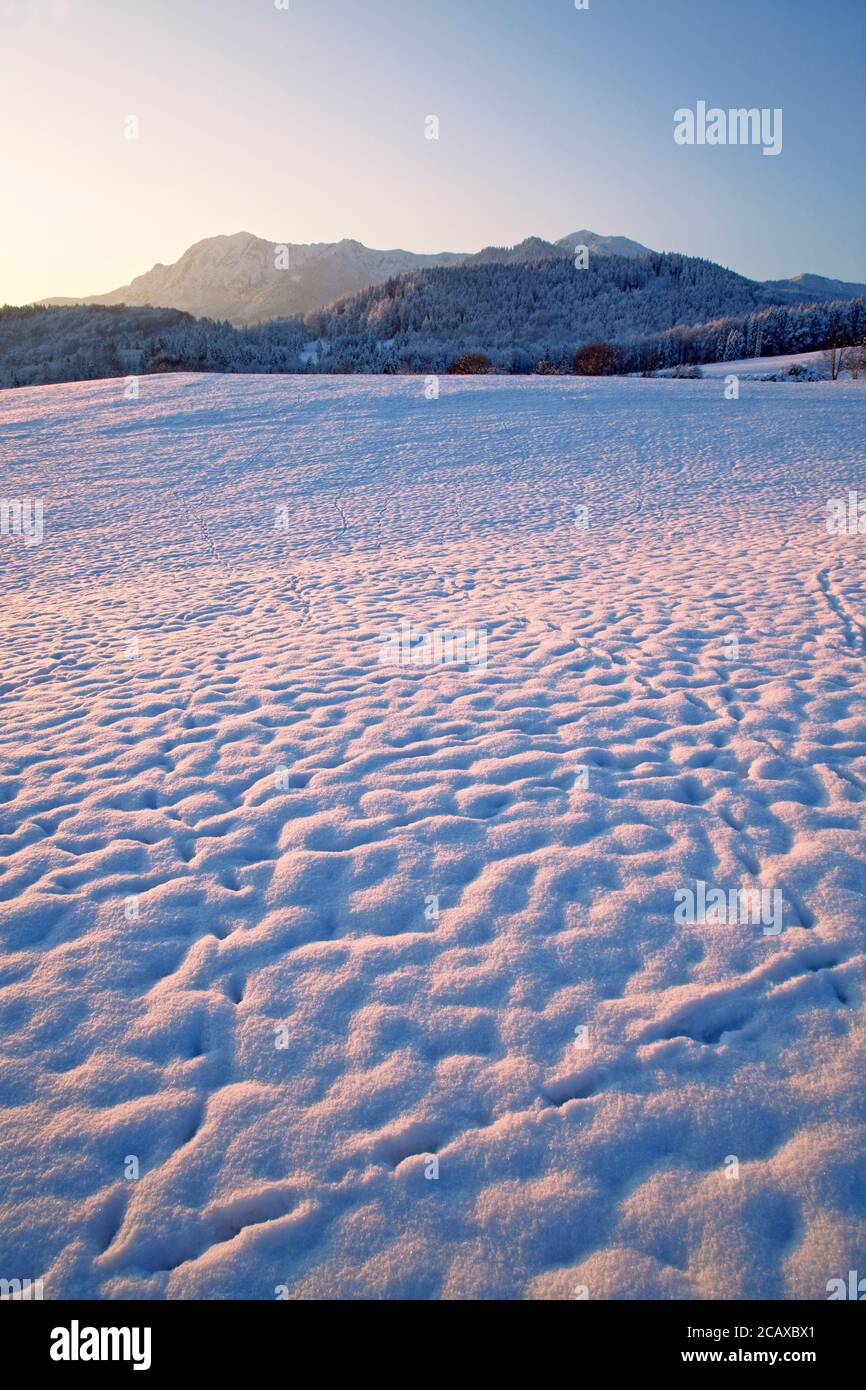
column 237, row 278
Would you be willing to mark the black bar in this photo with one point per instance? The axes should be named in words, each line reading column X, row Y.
column 247, row 1338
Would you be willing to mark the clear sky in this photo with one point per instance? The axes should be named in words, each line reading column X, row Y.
column 307, row 124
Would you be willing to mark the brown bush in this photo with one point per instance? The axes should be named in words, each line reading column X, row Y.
column 596, row 359
column 470, row 364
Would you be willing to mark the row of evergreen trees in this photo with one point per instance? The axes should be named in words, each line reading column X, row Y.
column 763, row 333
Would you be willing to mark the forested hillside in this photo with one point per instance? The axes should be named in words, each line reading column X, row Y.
column 517, row 313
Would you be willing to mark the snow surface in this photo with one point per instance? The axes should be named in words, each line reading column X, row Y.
column 295, row 908
column 761, row 368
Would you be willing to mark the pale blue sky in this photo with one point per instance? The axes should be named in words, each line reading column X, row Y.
column 308, row 125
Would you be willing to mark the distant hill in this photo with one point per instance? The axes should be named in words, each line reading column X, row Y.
column 604, row 245
column 814, row 289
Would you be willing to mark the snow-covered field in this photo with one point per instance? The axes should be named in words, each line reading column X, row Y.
column 324, row 976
